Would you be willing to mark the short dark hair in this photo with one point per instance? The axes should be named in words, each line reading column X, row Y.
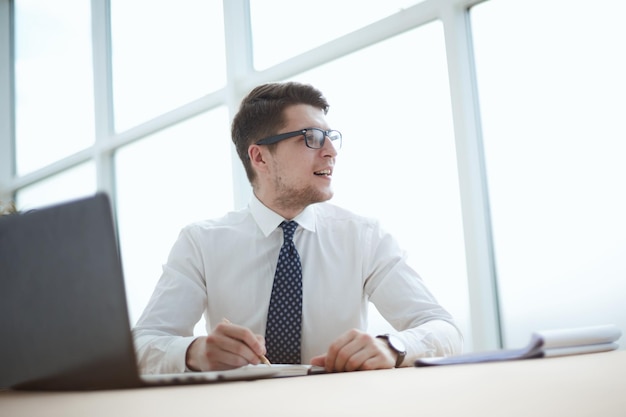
column 261, row 114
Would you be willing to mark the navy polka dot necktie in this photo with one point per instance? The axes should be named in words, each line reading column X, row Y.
column 284, row 317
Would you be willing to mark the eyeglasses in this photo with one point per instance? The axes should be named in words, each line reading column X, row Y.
column 313, row 137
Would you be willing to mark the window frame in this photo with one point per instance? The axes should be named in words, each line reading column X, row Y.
column 241, row 77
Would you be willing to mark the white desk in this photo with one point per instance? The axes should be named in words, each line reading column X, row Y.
column 583, row 385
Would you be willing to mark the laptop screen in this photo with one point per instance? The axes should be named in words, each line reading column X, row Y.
column 63, row 314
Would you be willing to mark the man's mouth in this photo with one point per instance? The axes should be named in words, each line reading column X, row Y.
column 324, row 172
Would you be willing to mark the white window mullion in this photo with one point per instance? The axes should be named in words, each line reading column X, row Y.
column 484, row 306
column 238, row 40
column 7, row 150
column 101, row 45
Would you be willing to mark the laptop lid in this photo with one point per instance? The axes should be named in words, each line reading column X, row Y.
column 63, row 313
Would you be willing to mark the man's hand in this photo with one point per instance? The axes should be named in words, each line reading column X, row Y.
column 355, row 351
column 228, row 346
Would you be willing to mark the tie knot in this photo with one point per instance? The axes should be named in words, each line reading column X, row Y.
column 289, row 228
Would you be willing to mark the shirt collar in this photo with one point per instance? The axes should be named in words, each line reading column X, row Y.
column 268, row 220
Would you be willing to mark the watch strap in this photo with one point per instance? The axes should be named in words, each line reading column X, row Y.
column 400, row 351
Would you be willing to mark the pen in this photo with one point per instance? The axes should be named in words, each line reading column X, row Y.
column 261, row 357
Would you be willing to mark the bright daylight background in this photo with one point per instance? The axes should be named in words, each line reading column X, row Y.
column 551, row 90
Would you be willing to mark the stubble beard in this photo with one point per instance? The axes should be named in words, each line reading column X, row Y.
column 290, row 197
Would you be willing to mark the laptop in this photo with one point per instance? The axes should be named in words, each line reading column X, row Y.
column 64, row 321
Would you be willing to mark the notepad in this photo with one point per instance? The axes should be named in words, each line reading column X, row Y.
column 284, row 370
column 546, row 343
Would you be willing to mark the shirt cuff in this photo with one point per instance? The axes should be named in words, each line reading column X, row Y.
column 434, row 338
column 177, row 353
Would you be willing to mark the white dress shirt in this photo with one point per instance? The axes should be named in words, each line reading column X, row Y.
column 224, row 268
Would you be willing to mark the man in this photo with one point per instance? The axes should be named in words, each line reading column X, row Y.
column 225, row 268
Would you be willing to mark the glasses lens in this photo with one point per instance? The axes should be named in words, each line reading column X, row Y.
column 314, row 138
column 335, row 138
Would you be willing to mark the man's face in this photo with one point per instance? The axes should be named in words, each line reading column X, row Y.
column 299, row 175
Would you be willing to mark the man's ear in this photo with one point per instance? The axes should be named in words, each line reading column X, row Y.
column 257, row 157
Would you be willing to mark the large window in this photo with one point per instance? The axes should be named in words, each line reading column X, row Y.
column 309, row 24
column 54, row 111
column 487, row 136
column 69, row 184
column 164, row 55
column 552, row 106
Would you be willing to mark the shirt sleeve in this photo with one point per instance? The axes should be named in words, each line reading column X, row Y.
column 402, row 298
column 165, row 329
column 433, row 338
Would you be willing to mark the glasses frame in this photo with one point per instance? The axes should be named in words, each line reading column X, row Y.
column 277, row 138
